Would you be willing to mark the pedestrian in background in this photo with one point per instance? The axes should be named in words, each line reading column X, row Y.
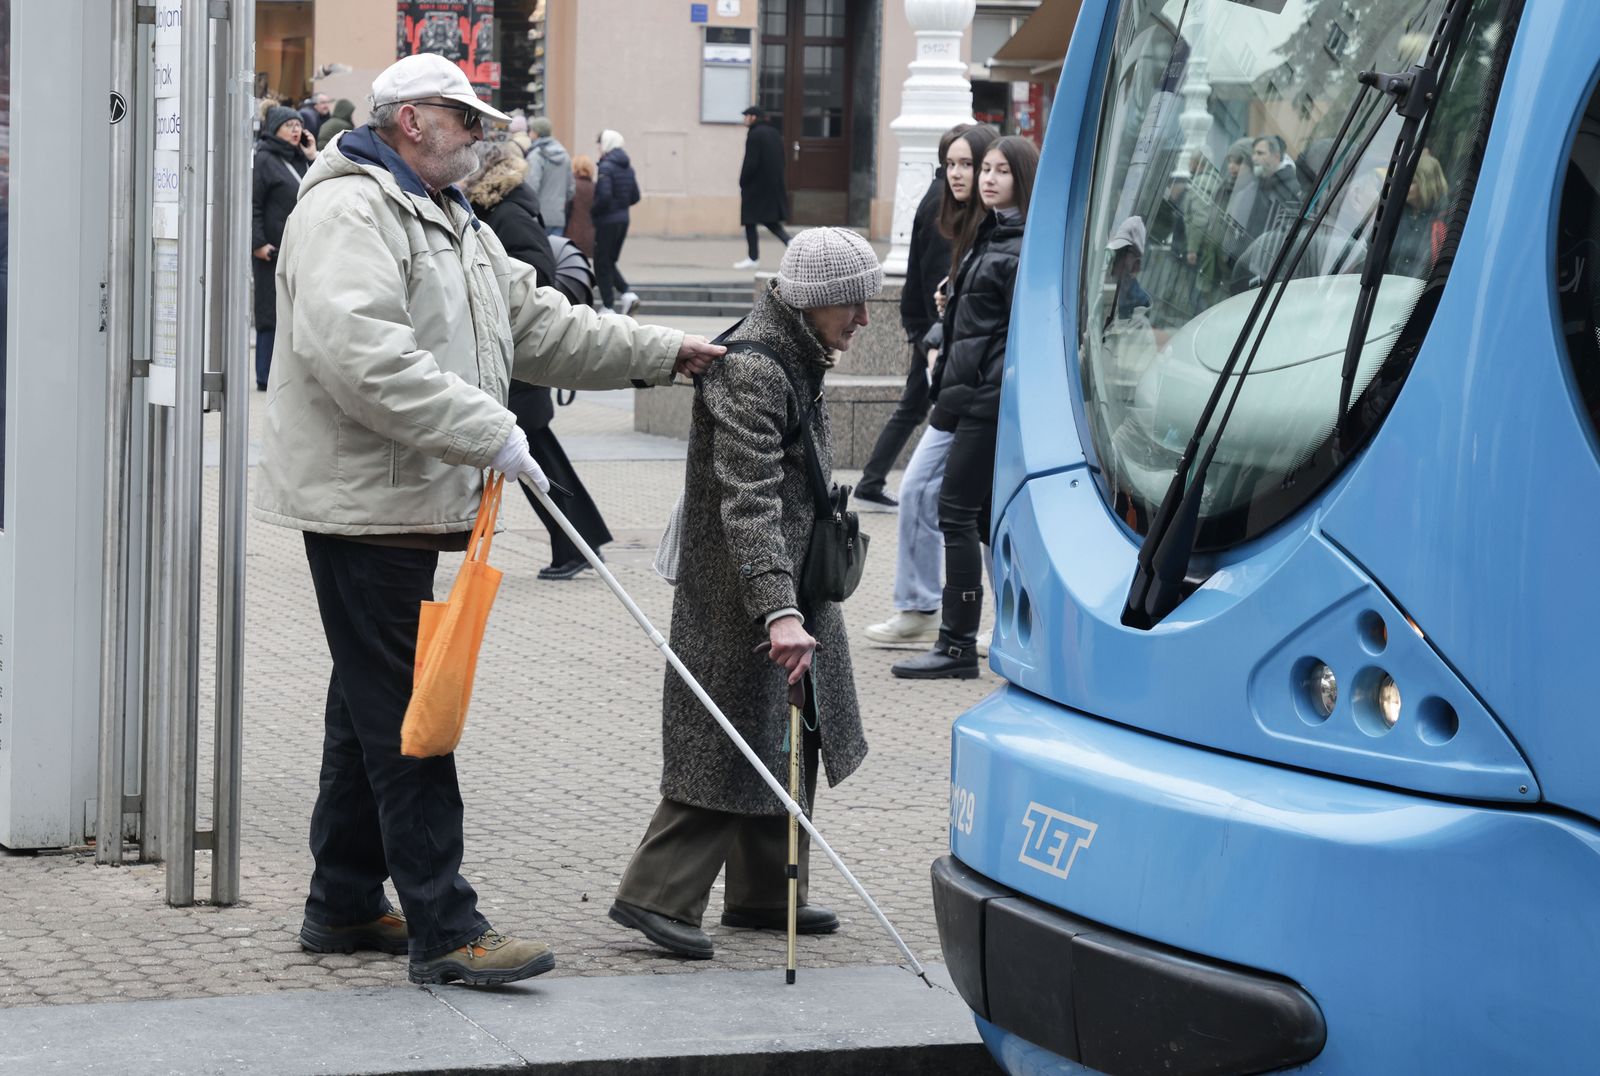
column 313, row 111
column 499, row 193
column 580, row 219
column 926, row 263
column 919, row 562
column 748, row 514
column 615, row 189
column 403, row 322
column 283, row 153
column 549, row 175
column 341, row 119
column 762, row 198
column 966, row 395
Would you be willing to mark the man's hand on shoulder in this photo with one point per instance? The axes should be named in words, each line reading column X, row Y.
column 696, row 355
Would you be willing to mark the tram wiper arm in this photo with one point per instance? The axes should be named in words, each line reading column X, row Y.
column 1163, row 563
column 1415, row 92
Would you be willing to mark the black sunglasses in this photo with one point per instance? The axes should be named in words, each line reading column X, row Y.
column 470, row 117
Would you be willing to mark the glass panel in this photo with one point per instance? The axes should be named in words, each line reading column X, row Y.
column 770, row 84
column 775, row 17
column 822, row 114
column 1216, row 118
column 5, row 227
column 1578, row 259
column 824, row 18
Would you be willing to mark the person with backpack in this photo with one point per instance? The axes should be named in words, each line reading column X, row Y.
column 615, row 189
column 742, row 622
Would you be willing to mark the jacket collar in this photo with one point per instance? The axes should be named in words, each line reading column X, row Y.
column 363, row 146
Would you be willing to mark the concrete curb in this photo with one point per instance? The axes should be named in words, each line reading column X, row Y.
column 877, row 1020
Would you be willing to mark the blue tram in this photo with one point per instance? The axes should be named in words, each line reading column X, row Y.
column 1295, row 768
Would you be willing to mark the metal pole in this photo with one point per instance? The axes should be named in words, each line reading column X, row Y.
column 233, row 233
column 194, row 56
column 119, row 395
column 157, row 587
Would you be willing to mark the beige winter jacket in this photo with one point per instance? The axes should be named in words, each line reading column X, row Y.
column 400, row 326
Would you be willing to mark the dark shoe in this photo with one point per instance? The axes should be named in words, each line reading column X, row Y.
column 567, row 569
column 489, row 961
column 385, row 934
column 674, row 934
column 940, row 663
column 261, row 386
column 877, row 496
column 808, row 919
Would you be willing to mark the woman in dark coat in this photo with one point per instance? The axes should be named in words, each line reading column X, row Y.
column 615, row 190
column 511, row 209
column 748, row 511
column 762, row 198
column 966, row 395
column 283, row 153
column 580, row 224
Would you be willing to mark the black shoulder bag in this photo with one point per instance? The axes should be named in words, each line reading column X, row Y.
column 837, row 552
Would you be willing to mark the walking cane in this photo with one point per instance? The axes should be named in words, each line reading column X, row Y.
column 794, row 827
column 789, row 804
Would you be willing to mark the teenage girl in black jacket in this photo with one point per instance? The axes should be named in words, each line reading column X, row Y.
column 966, row 394
column 504, row 202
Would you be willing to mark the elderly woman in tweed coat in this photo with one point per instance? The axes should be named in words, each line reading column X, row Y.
column 748, row 510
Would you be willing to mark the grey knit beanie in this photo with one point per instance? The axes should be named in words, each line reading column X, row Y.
column 828, row 267
column 277, row 116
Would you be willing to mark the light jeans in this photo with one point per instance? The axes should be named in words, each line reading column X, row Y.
column 919, row 566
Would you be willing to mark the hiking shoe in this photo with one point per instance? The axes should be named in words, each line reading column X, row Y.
column 682, row 938
column 906, row 628
column 488, row 961
column 808, row 919
column 385, row 934
column 628, row 303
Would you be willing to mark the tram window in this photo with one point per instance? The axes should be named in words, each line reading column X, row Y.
column 1578, row 259
column 1215, row 123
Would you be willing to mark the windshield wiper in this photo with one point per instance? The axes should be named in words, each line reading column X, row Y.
column 1159, row 580
column 1415, row 92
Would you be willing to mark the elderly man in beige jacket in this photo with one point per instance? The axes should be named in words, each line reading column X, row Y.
column 401, row 321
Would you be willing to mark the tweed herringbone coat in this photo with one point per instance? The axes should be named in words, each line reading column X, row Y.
column 748, row 510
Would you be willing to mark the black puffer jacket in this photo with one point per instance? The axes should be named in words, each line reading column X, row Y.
column 275, row 186
column 927, row 262
column 966, row 382
column 615, row 189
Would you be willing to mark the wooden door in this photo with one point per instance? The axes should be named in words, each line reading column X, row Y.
column 806, row 60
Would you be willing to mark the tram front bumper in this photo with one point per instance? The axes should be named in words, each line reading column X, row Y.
column 1116, row 1003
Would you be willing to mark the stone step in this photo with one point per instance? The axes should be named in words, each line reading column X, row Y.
column 695, row 293
column 858, row 406
column 847, row 1021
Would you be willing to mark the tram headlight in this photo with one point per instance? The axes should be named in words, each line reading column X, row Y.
column 1389, row 700
column 1324, row 689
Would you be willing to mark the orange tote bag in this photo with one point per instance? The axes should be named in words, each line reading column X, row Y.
column 448, row 636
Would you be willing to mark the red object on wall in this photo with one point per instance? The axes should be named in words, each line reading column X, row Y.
column 462, row 31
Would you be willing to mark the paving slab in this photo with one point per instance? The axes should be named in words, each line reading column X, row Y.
column 879, row 1020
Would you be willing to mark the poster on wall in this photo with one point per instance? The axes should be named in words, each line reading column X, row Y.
column 462, row 31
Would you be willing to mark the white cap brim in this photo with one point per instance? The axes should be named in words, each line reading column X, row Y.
column 482, row 107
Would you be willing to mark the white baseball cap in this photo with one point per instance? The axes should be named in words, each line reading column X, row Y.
column 428, row 74
column 1130, row 233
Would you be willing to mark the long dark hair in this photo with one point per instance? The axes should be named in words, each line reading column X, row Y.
column 958, row 221
column 1022, row 157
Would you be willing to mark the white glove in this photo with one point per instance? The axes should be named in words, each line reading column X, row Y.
column 515, row 460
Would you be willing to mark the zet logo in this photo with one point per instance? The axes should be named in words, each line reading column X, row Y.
column 1054, row 839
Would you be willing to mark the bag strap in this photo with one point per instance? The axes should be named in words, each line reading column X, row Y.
column 488, row 509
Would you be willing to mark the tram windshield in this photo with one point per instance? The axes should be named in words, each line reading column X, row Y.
column 1217, row 118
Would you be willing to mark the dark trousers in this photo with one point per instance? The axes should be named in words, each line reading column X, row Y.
column 264, row 342
column 685, row 847
column 530, row 403
column 908, row 415
column 964, row 504
column 750, row 240
column 607, row 249
column 379, row 814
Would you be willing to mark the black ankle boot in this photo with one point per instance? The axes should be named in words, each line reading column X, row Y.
column 943, row 662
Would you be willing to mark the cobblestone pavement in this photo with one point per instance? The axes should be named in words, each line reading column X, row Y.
column 559, row 769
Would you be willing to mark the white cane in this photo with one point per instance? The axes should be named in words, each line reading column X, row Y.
column 727, row 726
